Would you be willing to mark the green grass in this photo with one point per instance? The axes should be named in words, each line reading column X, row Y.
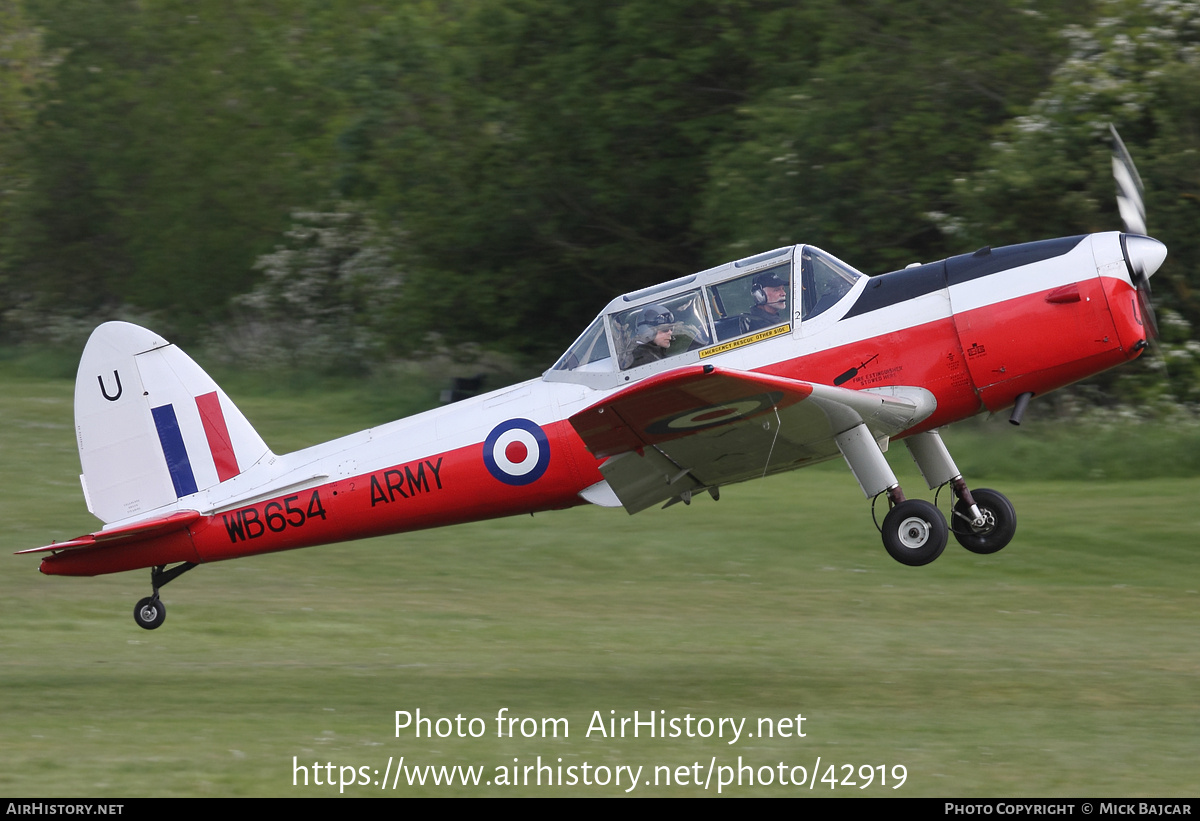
column 1065, row 665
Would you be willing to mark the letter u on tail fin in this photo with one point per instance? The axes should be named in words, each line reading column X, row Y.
column 152, row 426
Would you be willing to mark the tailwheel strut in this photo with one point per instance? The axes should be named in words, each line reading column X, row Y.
column 150, row 612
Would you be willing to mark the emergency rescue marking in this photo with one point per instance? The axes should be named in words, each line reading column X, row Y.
column 516, row 452
column 713, row 415
column 395, row 481
column 737, row 343
column 276, row 517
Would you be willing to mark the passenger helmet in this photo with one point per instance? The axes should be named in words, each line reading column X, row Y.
column 649, row 320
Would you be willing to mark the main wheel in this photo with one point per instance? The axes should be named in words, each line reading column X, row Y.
column 914, row 532
column 149, row 613
column 999, row 529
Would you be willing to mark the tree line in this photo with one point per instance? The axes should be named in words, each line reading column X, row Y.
column 494, row 171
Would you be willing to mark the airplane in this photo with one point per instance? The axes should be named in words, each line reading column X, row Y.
column 763, row 365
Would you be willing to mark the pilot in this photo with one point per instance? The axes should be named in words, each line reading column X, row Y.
column 653, row 332
column 770, row 301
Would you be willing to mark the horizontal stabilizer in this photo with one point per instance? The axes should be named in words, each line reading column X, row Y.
column 128, row 533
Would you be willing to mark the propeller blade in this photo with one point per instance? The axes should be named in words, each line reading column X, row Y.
column 1149, row 320
column 1143, row 254
column 1130, row 199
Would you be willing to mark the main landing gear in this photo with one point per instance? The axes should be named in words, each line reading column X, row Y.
column 150, row 612
column 914, row 531
column 998, row 526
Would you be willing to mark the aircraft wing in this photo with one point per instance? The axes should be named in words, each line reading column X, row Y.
column 701, row 427
column 127, row 533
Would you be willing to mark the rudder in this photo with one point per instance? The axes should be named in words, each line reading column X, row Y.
column 151, row 425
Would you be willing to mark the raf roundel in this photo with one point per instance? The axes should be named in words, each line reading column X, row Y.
column 516, row 452
column 713, row 416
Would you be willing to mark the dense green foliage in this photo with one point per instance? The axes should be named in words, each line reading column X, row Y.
column 24, row 70
column 563, row 156
column 521, row 161
column 166, row 155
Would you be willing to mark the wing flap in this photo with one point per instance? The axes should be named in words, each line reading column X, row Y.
column 643, row 480
column 127, row 533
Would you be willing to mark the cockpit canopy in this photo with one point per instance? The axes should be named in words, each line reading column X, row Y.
column 690, row 318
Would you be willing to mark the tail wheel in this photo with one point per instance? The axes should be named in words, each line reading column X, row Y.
column 914, row 532
column 1000, row 526
column 150, row 613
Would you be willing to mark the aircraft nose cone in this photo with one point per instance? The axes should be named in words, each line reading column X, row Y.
column 1145, row 254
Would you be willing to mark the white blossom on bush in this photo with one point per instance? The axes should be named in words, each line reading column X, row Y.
column 325, row 297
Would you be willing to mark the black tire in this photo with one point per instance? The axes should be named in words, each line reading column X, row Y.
column 997, row 533
column 149, row 613
column 914, row 532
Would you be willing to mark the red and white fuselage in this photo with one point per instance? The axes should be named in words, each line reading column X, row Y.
column 178, row 474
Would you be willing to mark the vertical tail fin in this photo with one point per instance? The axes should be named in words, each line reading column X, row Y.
column 151, row 425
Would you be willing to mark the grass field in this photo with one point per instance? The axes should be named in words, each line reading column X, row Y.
column 1066, row 665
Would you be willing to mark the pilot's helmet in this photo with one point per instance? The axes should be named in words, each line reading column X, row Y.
column 767, row 279
column 649, row 320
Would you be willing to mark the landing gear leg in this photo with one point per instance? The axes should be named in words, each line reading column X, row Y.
column 150, row 612
column 914, row 531
column 983, row 521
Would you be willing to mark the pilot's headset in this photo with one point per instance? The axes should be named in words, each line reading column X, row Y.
column 649, row 320
column 767, row 279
